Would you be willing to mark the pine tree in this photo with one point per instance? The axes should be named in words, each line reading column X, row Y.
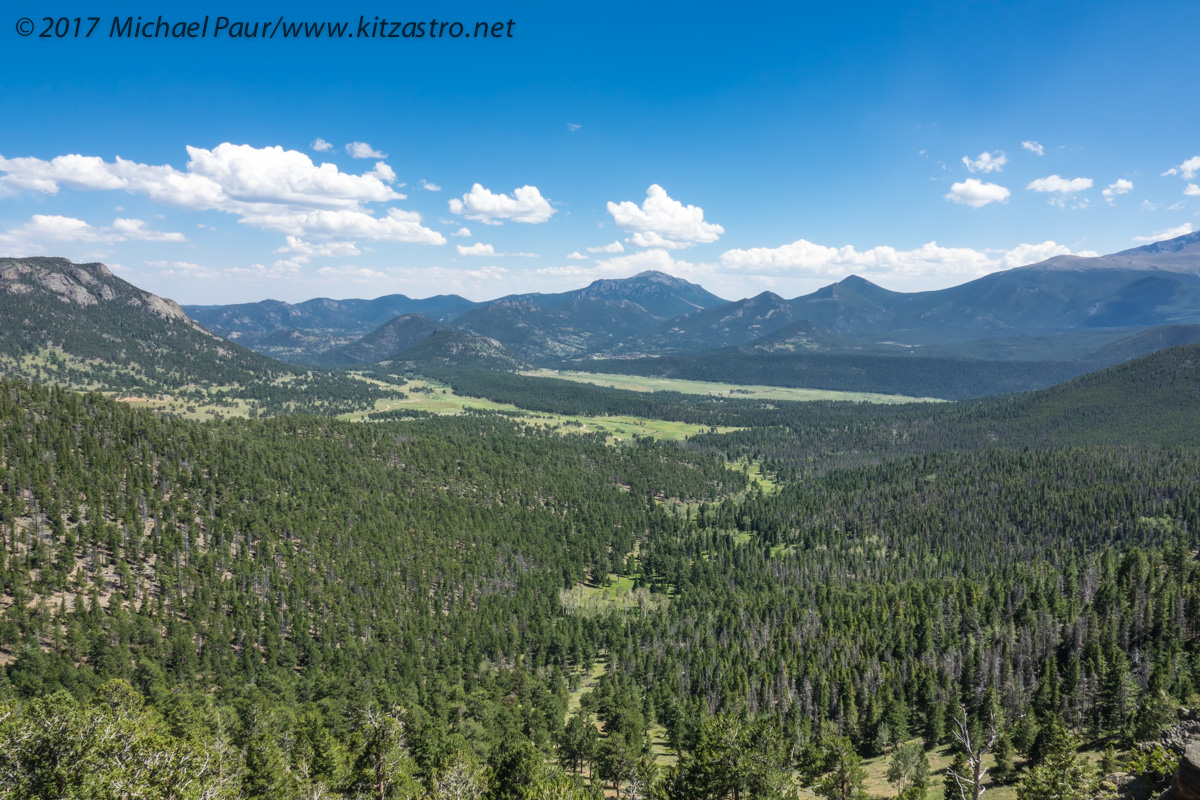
column 1062, row 776
column 908, row 771
column 1004, row 769
column 846, row 779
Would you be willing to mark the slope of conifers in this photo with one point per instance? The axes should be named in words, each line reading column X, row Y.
column 394, row 336
column 1149, row 401
column 85, row 311
column 266, row 583
column 80, row 325
column 1153, row 400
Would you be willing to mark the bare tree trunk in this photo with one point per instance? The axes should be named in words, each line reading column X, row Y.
column 975, row 751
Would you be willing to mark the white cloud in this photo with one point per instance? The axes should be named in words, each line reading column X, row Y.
column 432, row 187
column 363, row 150
column 1192, row 190
column 623, row 266
column 397, row 226
column 384, row 173
column 1122, row 186
column 614, row 247
column 806, row 259
column 135, row 230
column 1024, row 254
column 986, row 162
column 577, row 256
column 464, row 232
column 662, row 222
column 1033, row 147
column 526, row 205
column 322, row 250
column 477, row 249
column 354, row 274
column 320, row 145
column 45, row 228
column 1060, row 185
column 571, row 126
column 1187, row 169
column 233, row 178
column 977, row 194
column 1167, row 233
column 267, row 187
column 286, row 177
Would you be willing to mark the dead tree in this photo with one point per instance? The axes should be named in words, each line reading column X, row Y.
column 970, row 786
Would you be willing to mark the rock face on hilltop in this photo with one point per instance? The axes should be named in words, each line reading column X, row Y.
column 104, row 326
column 82, row 285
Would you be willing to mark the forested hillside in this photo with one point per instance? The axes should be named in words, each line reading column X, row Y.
column 79, row 325
column 480, row 606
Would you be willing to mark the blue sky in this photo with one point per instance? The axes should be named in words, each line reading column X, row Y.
column 781, row 146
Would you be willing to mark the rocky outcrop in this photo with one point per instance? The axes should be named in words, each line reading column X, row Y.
column 1123, row 786
column 1177, row 737
column 1186, row 785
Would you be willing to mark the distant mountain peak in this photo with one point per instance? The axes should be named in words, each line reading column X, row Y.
column 1179, row 243
column 660, row 277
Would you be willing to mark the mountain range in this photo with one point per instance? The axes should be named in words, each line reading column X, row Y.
column 1066, row 309
column 1009, row 331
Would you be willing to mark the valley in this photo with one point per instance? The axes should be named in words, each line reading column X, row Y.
column 451, row 565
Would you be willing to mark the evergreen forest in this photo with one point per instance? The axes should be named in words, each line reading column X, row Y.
column 489, row 606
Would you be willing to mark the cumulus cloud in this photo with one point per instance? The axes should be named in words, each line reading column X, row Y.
column 45, row 228
column 363, row 150
column 1122, row 186
column 397, row 226
column 320, row 145
column 1024, row 254
column 267, row 187
column 1034, row 147
column 803, row 258
column 525, row 205
column 977, row 194
column 1060, row 185
column 1166, row 233
column 577, row 256
column 431, row 187
column 477, row 249
column 614, row 247
column 986, row 162
column 623, row 266
column 229, row 177
column 464, row 232
column 273, row 175
column 300, row 247
column 1187, row 169
column 354, row 274
column 1192, row 190
column 662, row 222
